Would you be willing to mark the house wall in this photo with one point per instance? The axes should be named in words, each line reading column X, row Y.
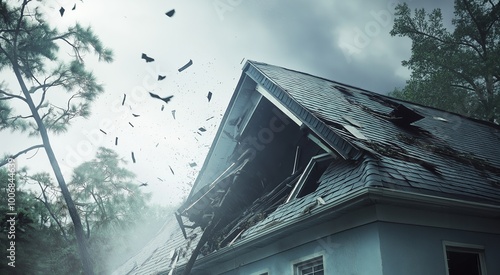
column 355, row 251
column 377, row 239
column 414, row 249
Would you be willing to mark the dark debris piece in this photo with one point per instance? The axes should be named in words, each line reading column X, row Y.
column 186, row 66
column 192, row 164
column 74, row 7
column 116, row 140
column 103, row 131
column 164, row 99
column 133, row 157
column 131, row 124
column 147, row 58
column 170, row 13
column 209, row 118
column 173, row 113
column 162, row 107
column 159, row 179
column 209, row 96
column 161, row 77
column 61, row 11
column 171, row 170
column 124, row 97
column 202, row 129
column 143, row 184
column 136, row 115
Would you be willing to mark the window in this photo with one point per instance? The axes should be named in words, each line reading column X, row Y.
column 313, row 266
column 464, row 259
column 310, row 179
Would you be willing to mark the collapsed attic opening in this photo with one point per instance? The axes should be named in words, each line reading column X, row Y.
column 258, row 179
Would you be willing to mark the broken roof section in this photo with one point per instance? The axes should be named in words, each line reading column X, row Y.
column 290, row 142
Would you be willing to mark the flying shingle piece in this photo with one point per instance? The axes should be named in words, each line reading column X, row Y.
column 133, row 157
column 186, row 66
column 209, row 118
column 136, row 115
column 170, row 13
column 173, row 113
column 116, row 140
column 202, row 129
column 209, row 96
column 192, row 164
column 131, row 124
column 61, row 11
column 147, row 58
column 164, row 99
column 171, row 170
column 124, row 97
column 143, row 184
column 103, row 131
column 162, row 107
column 74, row 7
column 161, row 77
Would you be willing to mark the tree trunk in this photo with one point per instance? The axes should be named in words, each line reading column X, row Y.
column 80, row 236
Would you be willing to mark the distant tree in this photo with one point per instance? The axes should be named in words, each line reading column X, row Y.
column 34, row 230
column 29, row 46
column 109, row 201
column 457, row 70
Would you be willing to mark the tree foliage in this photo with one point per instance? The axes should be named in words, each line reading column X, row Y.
column 454, row 70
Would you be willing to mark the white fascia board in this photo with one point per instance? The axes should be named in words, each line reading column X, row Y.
column 278, row 104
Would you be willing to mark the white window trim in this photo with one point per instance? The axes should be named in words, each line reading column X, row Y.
column 261, row 272
column 305, row 175
column 307, row 258
column 465, row 247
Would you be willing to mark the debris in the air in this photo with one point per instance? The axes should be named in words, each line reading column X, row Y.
column 186, row 66
column 61, row 11
column 165, row 99
column 74, row 7
column 202, row 129
column 198, row 134
column 116, row 140
column 242, row 60
column 162, row 107
column 124, row 97
column 103, row 131
column 192, row 164
column 159, row 178
column 143, row 184
column 170, row 13
column 157, row 144
column 171, row 170
column 209, row 118
column 161, row 77
column 131, row 124
column 136, row 115
column 133, row 157
column 173, row 113
column 147, row 58
column 209, row 96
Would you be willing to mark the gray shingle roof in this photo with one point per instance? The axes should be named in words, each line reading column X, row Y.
column 442, row 154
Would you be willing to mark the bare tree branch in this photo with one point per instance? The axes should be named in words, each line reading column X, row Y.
column 2, row 163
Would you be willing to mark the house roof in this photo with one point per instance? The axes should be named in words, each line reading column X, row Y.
column 383, row 144
column 442, row 153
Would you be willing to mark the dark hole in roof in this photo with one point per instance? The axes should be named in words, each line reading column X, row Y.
column 403, row 115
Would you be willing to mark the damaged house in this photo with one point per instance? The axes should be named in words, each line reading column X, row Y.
column 310, row 176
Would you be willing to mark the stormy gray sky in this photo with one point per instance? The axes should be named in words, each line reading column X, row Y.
column 346, row 41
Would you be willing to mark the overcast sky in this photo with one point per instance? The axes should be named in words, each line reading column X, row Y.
column 346, row 41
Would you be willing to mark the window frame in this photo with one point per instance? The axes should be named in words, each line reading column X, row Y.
column 296, row 264
column 467, row 248
column 305, row 175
